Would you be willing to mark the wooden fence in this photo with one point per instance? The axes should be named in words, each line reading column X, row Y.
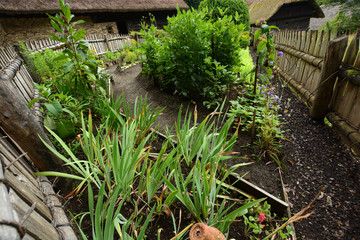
column 324, row 76
column 99, row 43
column 22, row 80
column 345, row 104
column 29, row 207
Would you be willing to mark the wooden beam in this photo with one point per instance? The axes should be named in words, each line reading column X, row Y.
column 60, row 220
column 324, row 92
column 315, row 61
column 18, row 121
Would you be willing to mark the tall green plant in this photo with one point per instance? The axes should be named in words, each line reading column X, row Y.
column 83, row 71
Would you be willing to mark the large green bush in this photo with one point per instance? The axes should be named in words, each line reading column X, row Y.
column 231, row 7
column 195, row 56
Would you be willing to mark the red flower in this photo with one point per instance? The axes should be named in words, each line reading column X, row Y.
column 261, row 217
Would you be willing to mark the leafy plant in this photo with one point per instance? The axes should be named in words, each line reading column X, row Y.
column 194, row 57
column 238, row 9
column 58, row 109
column 82, row 71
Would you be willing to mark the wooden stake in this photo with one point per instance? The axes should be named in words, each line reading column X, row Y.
column 333, row 57
column 20, row 124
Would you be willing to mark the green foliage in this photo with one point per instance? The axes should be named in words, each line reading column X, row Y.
column 70, row 79
column 342, row 22
column 117, row 159
column 257, row 108
column 194, row 57
column 238, row 9
column 81, row 70
column 348, row 17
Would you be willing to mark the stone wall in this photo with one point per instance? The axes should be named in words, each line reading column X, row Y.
column 14, row 29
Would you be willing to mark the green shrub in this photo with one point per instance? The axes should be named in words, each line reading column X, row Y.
column 194, row 56
column 232, row 7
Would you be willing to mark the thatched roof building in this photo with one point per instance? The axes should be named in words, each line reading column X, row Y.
column 293, row 14
column 89, row 6
column 26, row 19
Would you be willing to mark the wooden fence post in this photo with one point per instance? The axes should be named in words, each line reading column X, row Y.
column 107, row 43
column 332, row 61
column 18, row 121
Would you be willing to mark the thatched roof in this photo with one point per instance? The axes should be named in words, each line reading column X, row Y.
column 267, row 8
column 49, row 6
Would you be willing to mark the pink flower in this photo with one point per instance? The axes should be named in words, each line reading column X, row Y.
column 261, row 217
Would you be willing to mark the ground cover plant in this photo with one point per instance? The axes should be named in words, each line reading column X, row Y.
column 130, row 54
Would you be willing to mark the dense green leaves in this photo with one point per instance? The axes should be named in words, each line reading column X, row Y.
column 238, row 9
column 194, row 57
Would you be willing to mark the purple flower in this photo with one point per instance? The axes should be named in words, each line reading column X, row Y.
column 276, row 97
column 270, row 105
column 272, row 76
column 271, row 63
column 280, row 53
column 260, row 88
column 269, row 93
column 262, row 92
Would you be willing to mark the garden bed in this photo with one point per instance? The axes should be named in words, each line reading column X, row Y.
column 313, row 153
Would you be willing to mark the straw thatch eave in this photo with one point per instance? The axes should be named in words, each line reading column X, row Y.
column 89, row 6
column 268, row 8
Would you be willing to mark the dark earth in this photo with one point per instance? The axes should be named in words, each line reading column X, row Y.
column 312, row 151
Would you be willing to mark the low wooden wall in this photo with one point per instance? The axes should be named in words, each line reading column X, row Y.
column 29, row 208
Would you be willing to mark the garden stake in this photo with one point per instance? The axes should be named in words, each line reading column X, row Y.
column 255, row 81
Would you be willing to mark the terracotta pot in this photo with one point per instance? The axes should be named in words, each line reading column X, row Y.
column 201, row 231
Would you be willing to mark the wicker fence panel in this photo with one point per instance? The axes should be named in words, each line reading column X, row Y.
column 22, row 196
column 311, row 63
column 25, row 199
column 302, row 61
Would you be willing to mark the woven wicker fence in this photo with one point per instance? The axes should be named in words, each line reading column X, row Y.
column 325, row 73
column 29, row 208
column 100, row 43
